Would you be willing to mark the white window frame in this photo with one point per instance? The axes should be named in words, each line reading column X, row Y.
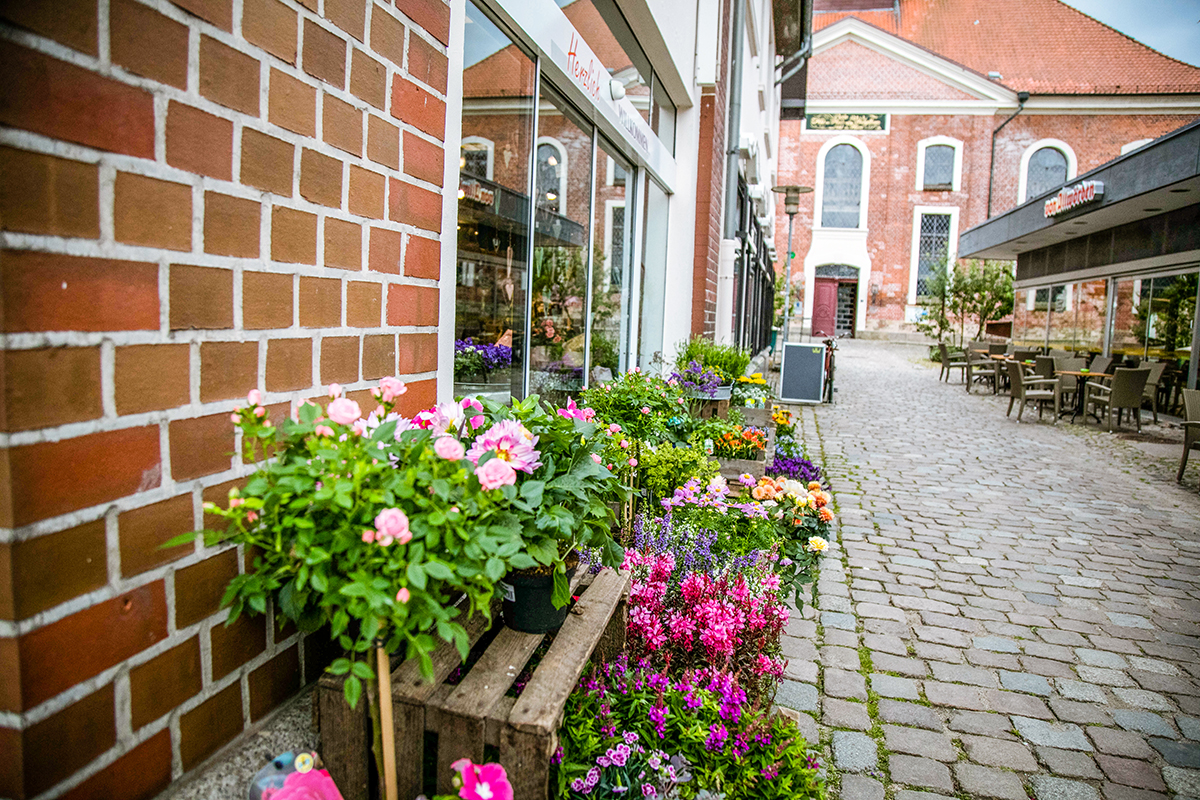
column 488, row 145
column 562, row 172
column 1134, row 145
column 609, row 205
column 915, row 255
column 1023, row 175
column 923, row 145
column 864, row 194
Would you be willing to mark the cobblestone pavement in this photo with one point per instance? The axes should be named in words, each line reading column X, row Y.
column 1014, row 609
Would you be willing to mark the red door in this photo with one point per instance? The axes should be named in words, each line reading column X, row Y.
column 824, row 313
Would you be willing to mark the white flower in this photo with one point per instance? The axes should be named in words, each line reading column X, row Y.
column 816, row 545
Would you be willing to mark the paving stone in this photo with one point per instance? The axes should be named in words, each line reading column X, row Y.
column 845, row 714
column 1064, row 736
column 800, row 696
column 890, row 686
column 1103, row 677
column 909, row 794
column 1140, row 698
column 1024, row 682
column 977, row 781
column 877, row 611
column 986, row 658
column 1190, row 726
column 1013, row 703
column 1048, row 788
column 1144, row 722
column 1184, row 782
column 843, row 683
column 799, row 670
column 939, row 652
column 854, row 752
column 1129, row 621
column 909, row 714
column 838, row 619
column 926, row 772
column 1082, row 713
column 858, row 787
column 943, row 636
column 1130, row 772
column 840, row 657
column 1119, row 743
column 959, row 673
column 919, row 742
column 1115, row 791
column 1180, row 754
column 912, row 667
column 1069, row 763
column 838, row 638
column 995, row 726
column 955, row 696
column 1153, row 665
column 1101, row 658
column 996, row 643
column 999, row 753
column 830, row 602
column 1077, row 690
column 893, row 645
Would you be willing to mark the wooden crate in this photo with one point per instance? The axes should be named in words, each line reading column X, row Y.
column 474, row 713
column 734, row 468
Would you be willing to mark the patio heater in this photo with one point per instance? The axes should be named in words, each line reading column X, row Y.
column 791, row 205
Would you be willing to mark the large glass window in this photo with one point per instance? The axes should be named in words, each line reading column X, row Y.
column 612, row 274
column 1047, row 169
column 939, row 167
column 933, row 250
column 562, row 222
column 842, row 187
column 493, row 211
column 654, row 272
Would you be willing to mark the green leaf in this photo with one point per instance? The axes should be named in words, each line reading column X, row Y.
column 532, row 491
column 521, row 561
column 416, row 575
column 361, row 670
column 562, row 589
column 353, row 690
column 340, row 666
column 495, row 569
column 436, row 569
column 183, row 538
column 258, row 603
column 320, row 582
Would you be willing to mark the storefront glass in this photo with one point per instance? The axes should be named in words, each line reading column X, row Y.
column 1127, row 334
column 654, row 273
column 1165, row 315
column 493, row 211
column 612, row 259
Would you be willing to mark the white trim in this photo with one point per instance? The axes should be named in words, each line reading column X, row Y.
column 487, row 145
column 562, row 168
column 951, row 243
column 924, row 144
column 609, row 205
column 1023, row 174
column 819, row 197
column 1134, row 145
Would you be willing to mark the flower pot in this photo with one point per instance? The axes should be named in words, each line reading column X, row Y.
column 723, row 392
column 527, row 604
column 757, row 417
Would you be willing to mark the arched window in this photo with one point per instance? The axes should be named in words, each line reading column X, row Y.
column 475, row 156
column 842, row 188
column 1047, row 169
column 551, row 176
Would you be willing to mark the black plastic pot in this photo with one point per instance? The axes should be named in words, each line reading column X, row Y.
column 527, row 604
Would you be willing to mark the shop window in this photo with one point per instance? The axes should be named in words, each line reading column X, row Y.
column 1053, row 298
column 1045, row 165
column 842, row 187
column 934, row 232
column 938, row 168
column 475, row 157
column 612, row 271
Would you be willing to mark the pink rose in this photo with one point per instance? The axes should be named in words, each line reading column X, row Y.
column 596, row 457
column 368, row 536
column 343, row 411
column 335, row 389
column 633, row 462
column 496, row 473
column 449, row 448
column 392, row 523
column 259, row 411
column 234, row 417
column 323, row 430
column 624, row 444
column 645, row 409
column 254, row 398
column 402, row 595
column 391, row 388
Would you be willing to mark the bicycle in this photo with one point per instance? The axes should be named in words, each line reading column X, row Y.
column 830, row 353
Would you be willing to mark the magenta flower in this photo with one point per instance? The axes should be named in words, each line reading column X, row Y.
column 309, row 785
column 512, row 442
column 483, row 781
column 573, row 411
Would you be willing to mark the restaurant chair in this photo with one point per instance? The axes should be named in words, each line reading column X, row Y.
column 981, row 369
column 1025, row 355
column 996, row 349
column 1043, row 367
column 1059, row 354
column 1191, row 427
column 1150, row 393
column 1030, row 389
column 1100, row 365
column 951, row 362
column 1125, row 392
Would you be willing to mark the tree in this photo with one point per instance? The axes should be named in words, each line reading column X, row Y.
column 940, row 302
column 985, row 289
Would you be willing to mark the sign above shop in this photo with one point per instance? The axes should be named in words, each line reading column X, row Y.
column 1073, row 197
column 846, row 122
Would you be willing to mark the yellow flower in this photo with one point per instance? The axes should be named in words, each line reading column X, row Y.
column 816, row 545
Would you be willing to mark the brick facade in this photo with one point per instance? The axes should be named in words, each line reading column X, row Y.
column 197, row 199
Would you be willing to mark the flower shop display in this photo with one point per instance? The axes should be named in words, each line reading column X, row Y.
column 473, row 360
column 726, row 361
column 791, row 462
column 664, row 468
column 750, row 391
column 728, row 743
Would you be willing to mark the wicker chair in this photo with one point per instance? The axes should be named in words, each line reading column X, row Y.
column 1150, row 393
column 951, row 362
column 981, row 369
column 1125, row 392
column 1191, row 428
column 1100, row 365
column 1032, row 389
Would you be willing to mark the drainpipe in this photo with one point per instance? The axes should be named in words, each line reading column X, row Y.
column 733, row 131
column 1022, row 97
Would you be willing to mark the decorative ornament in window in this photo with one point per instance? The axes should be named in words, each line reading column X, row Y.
column 842, row 188
column 475, row 160
column 1047, row 170
column 549, row 178
column 939, row 168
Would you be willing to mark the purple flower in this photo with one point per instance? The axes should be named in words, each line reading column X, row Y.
column 629, row 736
column 717, row 735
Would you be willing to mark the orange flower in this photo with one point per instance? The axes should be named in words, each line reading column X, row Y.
column 826, row 515
column 814, row 486
column 818, row 499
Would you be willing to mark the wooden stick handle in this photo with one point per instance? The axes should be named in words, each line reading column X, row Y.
column 383, row 667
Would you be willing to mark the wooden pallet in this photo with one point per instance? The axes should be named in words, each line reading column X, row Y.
column 474, row 713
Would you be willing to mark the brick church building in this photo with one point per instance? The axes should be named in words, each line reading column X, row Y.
column 925, row 118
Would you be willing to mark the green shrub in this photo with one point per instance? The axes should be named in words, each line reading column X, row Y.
column 666, row 468
column 731, row 362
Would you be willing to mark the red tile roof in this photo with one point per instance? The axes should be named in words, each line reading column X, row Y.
column 1038, row 46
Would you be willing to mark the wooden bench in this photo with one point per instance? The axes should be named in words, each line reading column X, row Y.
column 476, row 712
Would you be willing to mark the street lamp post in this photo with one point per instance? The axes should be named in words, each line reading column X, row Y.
column 791, row 205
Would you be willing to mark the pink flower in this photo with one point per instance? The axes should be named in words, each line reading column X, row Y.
column 645, row 409
column 360, row 427
column 234, row 417
column 482, row 781
column 573, row 411
column 251, row 516
column 596, row 457
column 323, row 430
column 392, row 523
column 614, row 428
column 343, row 410
column 390, row 388
column 496, row 473
column 624, row 444
column 402, row 595
column 633, row 462
column 254, row 398
column 313, row 785
column 449, row 448
column 512, row 442
column 368, row 536
column 335, row 389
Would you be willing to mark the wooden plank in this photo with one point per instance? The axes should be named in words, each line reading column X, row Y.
column 540, row 705
column 407, row 684
column 526, row 759
column 409, row 722
column 345, row 738
column 612, row 643
column 497, row 719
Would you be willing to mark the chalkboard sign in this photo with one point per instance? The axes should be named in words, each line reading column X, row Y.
column 802, row 374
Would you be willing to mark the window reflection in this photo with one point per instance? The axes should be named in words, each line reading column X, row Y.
column 493, row 211
column 611, row 276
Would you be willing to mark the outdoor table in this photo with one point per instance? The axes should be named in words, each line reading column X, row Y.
column 1077, row 374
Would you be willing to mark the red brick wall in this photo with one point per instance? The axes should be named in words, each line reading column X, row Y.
column 196, row 199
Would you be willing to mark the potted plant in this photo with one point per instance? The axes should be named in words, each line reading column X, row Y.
column 558, row 498
column 475, row 364
column 740, row 449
